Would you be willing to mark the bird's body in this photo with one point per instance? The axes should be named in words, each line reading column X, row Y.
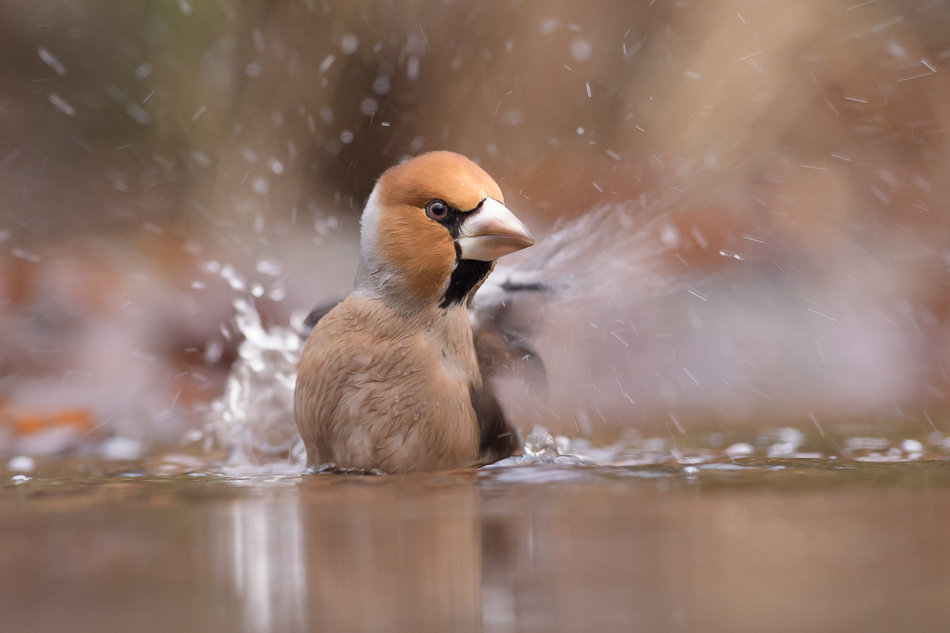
column 389, row 392
column 389, row 378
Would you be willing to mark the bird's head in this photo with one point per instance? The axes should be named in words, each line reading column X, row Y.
column 431, row 231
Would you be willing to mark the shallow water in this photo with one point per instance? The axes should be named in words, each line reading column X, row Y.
column 750, row 544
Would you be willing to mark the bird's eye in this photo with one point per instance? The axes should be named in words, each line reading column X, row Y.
column 437, row 210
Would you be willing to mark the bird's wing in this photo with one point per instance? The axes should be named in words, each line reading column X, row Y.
column 505, row 315
column 315, row 315
column 497, row 437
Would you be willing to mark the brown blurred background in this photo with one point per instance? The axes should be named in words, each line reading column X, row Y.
column 771, row 179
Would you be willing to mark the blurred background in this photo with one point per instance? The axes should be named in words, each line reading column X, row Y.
column 743, row 206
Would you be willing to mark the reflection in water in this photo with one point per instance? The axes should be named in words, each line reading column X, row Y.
column 267, row 556
column 352, row 557
column 819, row 545
column 378, row 560
column 516, row 550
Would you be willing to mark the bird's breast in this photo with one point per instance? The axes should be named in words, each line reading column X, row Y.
column 376, row 390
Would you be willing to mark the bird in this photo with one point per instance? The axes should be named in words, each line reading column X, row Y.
column 390, row 378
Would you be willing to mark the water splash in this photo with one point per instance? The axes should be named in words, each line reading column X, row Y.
column 587, row 257
column 765, row 447
column 254, row 418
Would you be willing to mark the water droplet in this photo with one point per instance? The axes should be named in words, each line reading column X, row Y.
column 381, row 85
column 512, row 117
column 260, row 186
column 369, row 106
column 349, row 44
column 549, row 25
column 580, row 50
column 21, row 464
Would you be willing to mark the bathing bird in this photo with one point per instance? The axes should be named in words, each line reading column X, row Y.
column 389, row 378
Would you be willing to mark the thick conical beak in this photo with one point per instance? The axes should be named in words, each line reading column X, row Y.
column 491, row 232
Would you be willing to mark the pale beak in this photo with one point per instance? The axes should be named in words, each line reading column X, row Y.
column 492, row 231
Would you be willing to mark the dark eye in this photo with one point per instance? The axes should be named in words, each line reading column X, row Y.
column 437, row 210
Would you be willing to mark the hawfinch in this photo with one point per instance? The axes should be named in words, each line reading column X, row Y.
column 389, row 378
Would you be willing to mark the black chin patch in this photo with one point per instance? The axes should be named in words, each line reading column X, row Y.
column 467, row 274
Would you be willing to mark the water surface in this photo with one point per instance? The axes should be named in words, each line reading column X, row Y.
column 750, row 544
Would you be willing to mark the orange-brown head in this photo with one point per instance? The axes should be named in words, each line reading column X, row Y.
column 431, row 231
